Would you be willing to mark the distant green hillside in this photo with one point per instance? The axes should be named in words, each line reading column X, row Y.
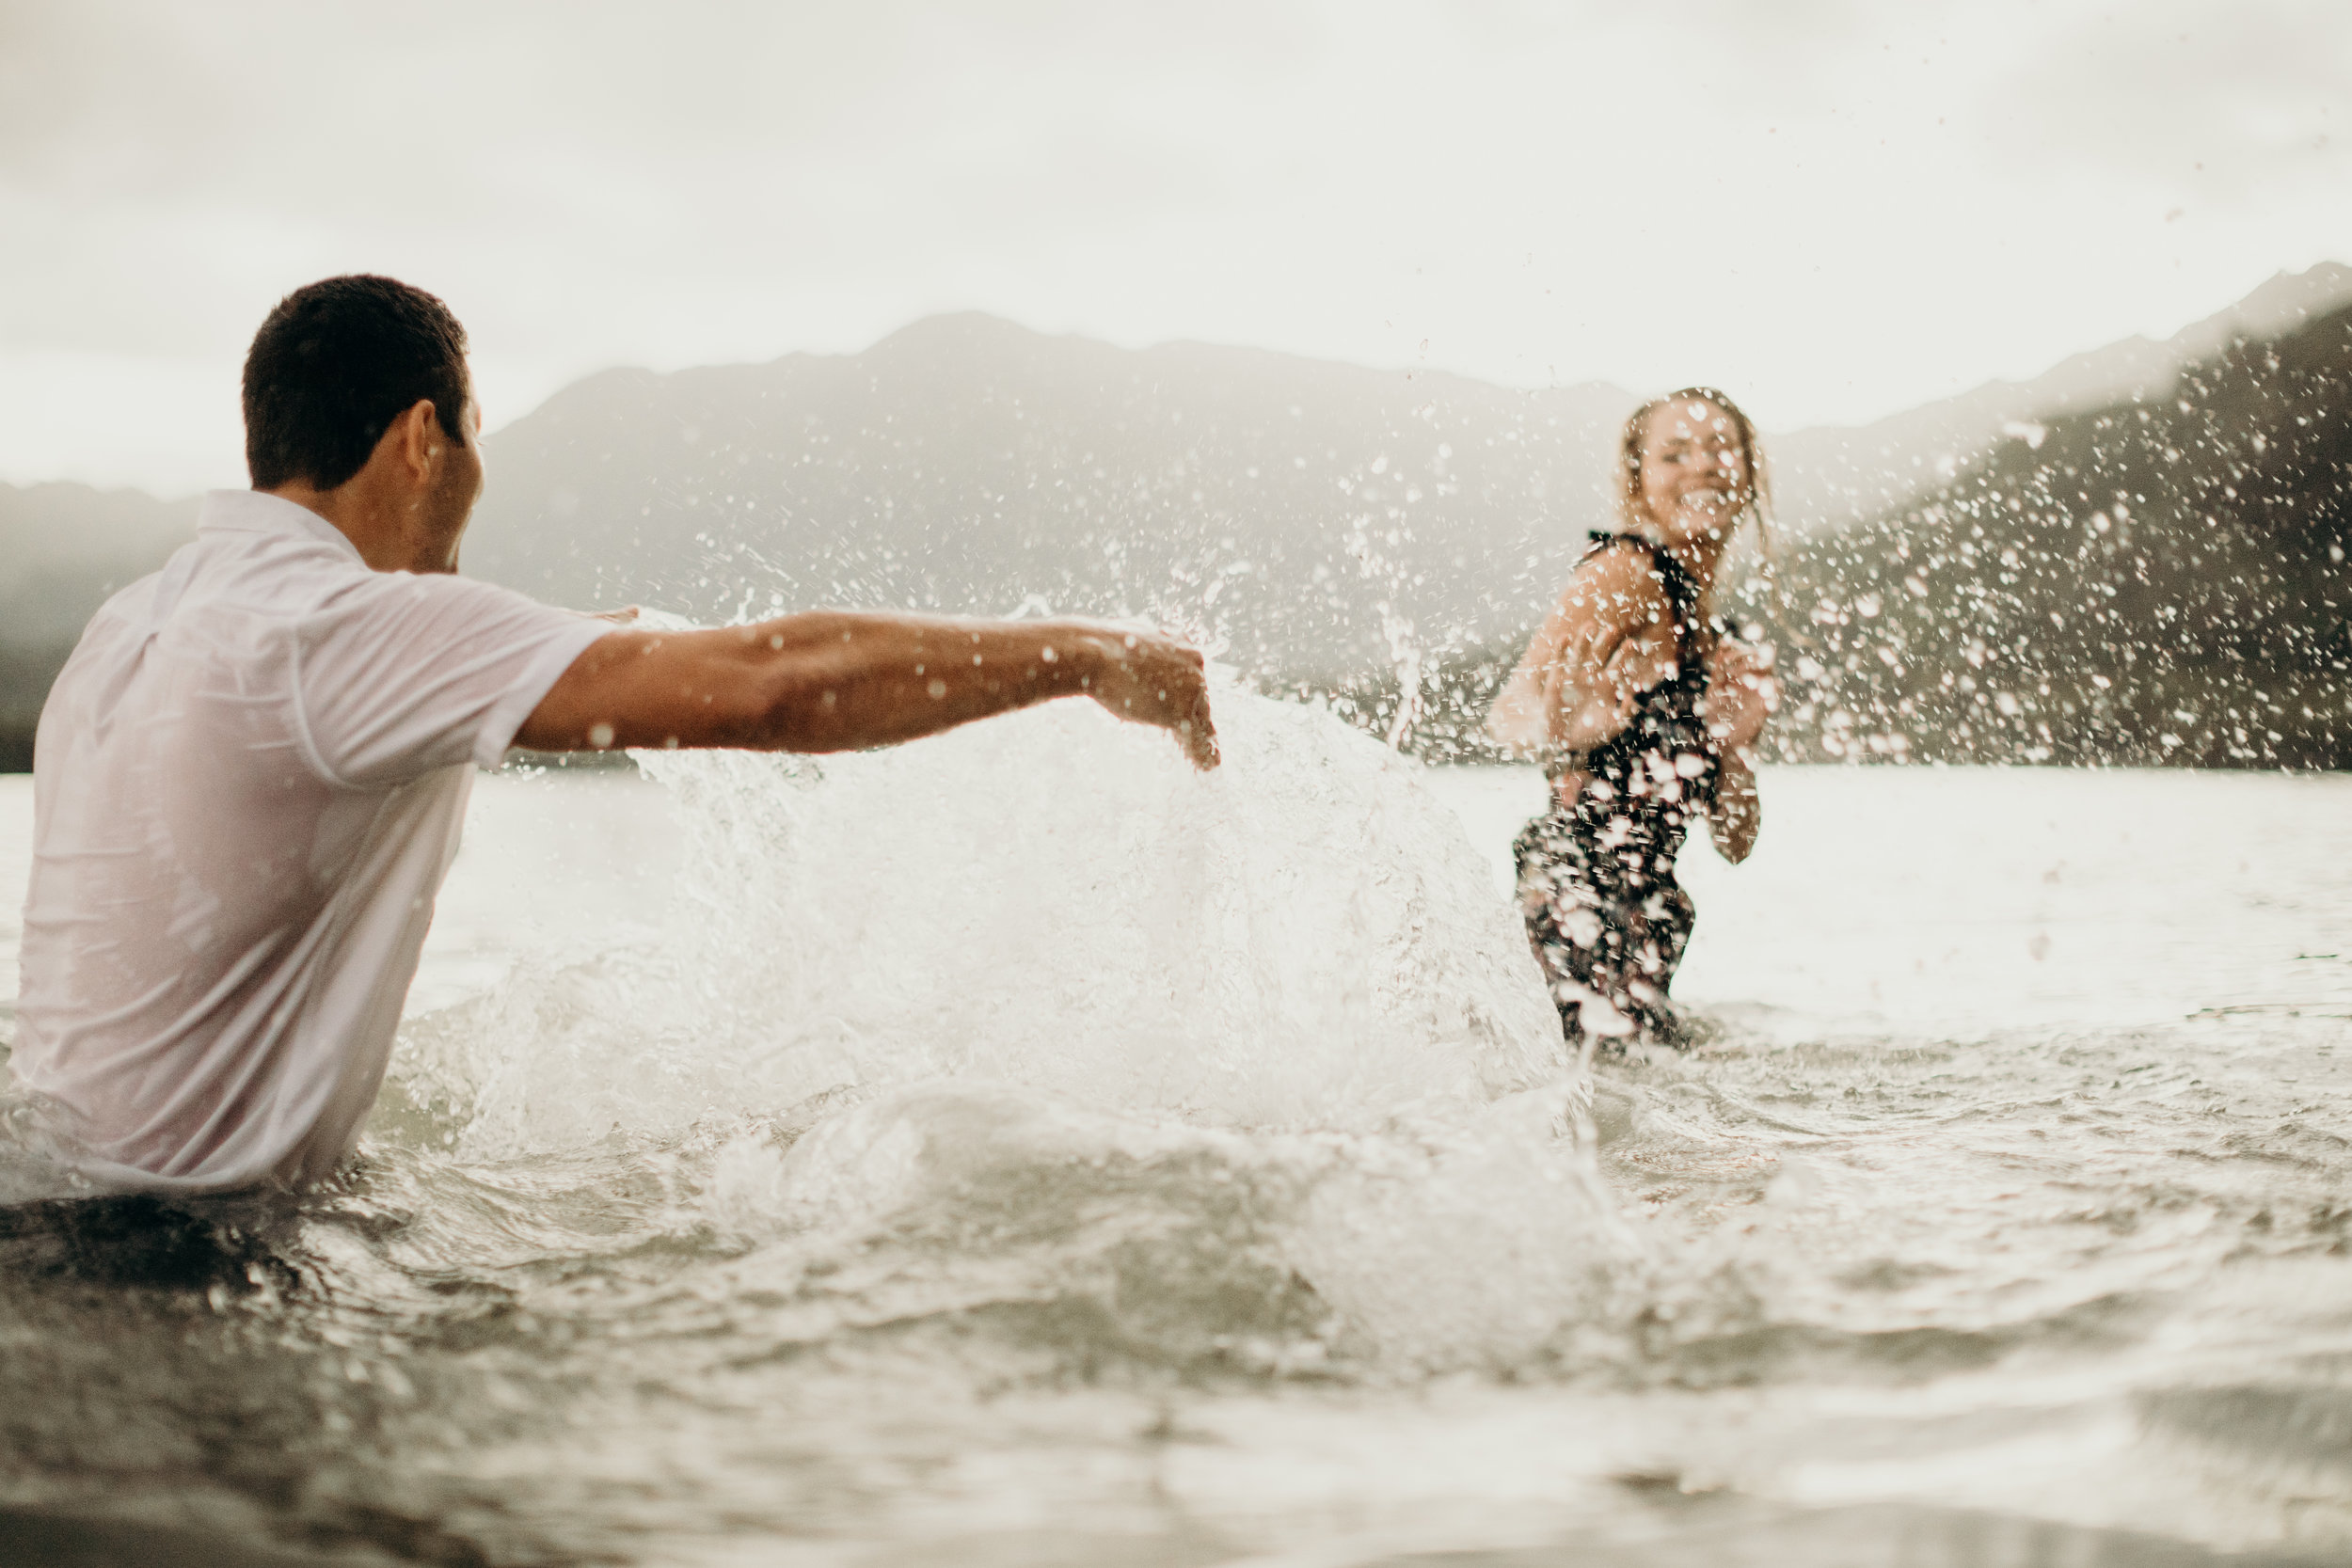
column 2163, row 580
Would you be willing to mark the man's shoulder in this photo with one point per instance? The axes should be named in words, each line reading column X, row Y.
column 249, row 590
column 126, row 605
column 228, row 593
column 305, row 588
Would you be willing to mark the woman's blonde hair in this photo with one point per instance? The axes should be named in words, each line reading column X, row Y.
column 1758, row 500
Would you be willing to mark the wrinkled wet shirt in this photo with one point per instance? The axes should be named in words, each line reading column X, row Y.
column 250, row 783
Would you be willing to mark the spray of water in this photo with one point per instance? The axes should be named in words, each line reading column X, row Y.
column 1032, row 955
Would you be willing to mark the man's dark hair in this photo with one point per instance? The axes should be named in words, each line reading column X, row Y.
column 334, row 365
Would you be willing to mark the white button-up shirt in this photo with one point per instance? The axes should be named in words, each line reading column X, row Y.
column 249, row 784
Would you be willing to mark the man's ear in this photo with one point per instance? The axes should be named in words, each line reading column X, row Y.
column 420, row 438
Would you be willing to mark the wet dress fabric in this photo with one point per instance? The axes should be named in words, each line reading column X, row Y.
column 1605, row 915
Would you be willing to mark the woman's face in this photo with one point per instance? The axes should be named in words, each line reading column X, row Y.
column 1693, row 479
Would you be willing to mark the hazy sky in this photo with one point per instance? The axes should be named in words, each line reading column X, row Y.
column 1836, row 210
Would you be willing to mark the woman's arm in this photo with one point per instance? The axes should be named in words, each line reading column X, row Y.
column 1593, row 688
column 1741, row 694
column 1737, row 814
column 1577, row 684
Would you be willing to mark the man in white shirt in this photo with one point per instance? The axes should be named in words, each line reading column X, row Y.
column 250, row 778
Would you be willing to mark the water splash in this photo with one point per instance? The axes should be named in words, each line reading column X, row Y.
column 960, row 991
column 1302, row 940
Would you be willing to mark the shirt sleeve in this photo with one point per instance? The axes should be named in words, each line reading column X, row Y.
column 402, row 674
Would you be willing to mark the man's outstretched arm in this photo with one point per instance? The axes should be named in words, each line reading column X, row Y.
column 838, row 681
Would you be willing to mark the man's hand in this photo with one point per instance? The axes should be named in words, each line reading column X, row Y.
column 1742, row 693
column 1151, row 679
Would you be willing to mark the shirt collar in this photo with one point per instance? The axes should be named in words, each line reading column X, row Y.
column 256, row 512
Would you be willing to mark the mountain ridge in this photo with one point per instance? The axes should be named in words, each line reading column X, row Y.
column 1317, row 523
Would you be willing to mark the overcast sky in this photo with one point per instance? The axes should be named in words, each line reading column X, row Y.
column 1836, row 210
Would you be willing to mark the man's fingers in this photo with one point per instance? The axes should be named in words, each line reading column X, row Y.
column 1156, row 680
column 1200, row 744
column 1199, row 733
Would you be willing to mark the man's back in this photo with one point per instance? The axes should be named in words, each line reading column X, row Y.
column 249, row 784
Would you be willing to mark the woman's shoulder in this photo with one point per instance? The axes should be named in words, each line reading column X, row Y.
column 1617, row 580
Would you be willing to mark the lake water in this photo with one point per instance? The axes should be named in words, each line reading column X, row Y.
column 1015, row 1150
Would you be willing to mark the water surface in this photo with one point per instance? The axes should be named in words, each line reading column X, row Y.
column 1016, row 1149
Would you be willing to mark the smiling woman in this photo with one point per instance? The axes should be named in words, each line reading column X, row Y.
column 1644, row 713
